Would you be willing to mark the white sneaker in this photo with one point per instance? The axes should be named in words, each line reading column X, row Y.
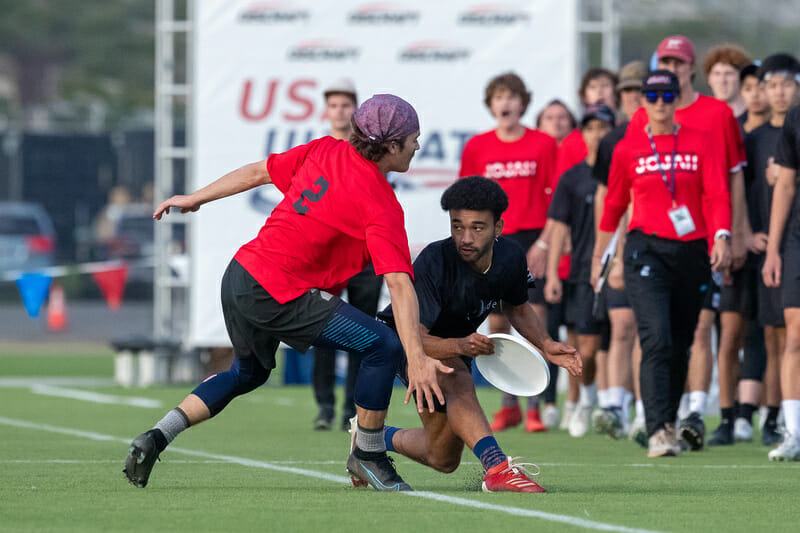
column 580, row 421
column 663, row 444
column 569, row 410
column 550, row 416
column 742, row 430
column 763, row 412
column 638, row 431
column 789, row 450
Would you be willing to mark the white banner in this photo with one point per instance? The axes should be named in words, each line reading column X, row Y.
column 261, row 67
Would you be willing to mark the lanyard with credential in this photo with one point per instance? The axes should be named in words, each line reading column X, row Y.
column 670, row 183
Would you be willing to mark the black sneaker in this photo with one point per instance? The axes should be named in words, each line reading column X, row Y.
column 693, row 431
column 324, row 420
column 770, row 436
column 377, row 469
column 722, row 436
column 142, row 457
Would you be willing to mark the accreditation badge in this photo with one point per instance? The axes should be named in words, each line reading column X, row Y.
column 682, row 220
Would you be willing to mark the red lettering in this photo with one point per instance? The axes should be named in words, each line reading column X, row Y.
column 244, row 107
column 304, row 102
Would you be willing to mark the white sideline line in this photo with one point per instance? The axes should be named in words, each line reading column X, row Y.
column 515, row 511
column 96, row 397
column 25, row 382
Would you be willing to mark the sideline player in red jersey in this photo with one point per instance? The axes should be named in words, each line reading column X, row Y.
column 522, row 161
column 338, row 212
column 716, row 119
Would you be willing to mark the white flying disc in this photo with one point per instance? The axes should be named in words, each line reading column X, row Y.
column 516, row 367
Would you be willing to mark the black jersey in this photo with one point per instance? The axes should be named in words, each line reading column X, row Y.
column 787, row 154
column 602, row 165
column 573, row 204
column 453, row 298
column 760, row 145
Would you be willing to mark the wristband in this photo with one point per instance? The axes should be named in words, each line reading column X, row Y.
column 541, row 244
column 722, row 234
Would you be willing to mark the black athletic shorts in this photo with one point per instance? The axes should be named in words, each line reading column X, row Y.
column 742, row 296
column 770, row 299
column 711, row 301
column 580, row 299
column 790, row 279
column 257, row 322
column 526, row 238
column 615, row 299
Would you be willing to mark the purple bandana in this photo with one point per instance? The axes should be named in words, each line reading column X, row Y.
column 386, row 117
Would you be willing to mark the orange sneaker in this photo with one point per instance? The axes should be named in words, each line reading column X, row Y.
column 533, row 422
column 509, row 476
column 506, row 417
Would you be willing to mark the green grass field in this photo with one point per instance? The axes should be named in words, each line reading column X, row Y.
column 61, row 461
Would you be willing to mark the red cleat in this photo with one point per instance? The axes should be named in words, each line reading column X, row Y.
column 533, row 422
column 506, row 417
column 509, row 476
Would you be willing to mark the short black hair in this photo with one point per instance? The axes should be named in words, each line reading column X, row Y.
column 749, row 70
column 476, row 193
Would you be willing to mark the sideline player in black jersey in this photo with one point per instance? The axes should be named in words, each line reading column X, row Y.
column 458, row 281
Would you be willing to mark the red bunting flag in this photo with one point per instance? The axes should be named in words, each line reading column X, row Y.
column 112, row 285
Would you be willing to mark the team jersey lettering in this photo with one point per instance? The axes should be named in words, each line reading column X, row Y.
column 510, row 169
column 311, row 196
column 686, row 162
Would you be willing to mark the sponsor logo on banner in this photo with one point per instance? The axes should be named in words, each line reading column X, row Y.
column 650, row 164
column 434, row 51
column 383, row 13
column 493, row 15
column 323, row 50
column 274, row 13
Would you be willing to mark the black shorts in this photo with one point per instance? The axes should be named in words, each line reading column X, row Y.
column 742, row 295
column 257, row 322
column 526, row 238
column 770, row 300
column 579, row 297
column 712, row 298
column 615, row 299
column 790, row 280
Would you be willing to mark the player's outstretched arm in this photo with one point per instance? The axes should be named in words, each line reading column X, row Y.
column 240, row 180
column 422, row 369
column 527, row 323
column 442, row 348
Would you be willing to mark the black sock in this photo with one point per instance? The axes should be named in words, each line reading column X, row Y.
column 161, row 440
column 746, row 412
column 772, row 415
column 727, row 416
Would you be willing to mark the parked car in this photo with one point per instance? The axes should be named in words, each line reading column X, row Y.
column 27, row 237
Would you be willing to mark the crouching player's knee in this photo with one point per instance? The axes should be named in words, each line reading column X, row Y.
column 243, row 376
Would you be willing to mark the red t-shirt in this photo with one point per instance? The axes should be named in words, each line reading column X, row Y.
column 713, row 117
column 701, row 184
column 571, row 152
column 523, row 168
column 338, row 214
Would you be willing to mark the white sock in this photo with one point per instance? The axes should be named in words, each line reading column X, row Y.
column 640, row 409
column 791, row 417
column 588, row 395
column 697, row 402
column 570, row 406
column 615, row 396
column 683, row 408
column 602, row 398
column 627, row 399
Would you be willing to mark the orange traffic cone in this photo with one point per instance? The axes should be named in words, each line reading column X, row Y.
column 56, row 309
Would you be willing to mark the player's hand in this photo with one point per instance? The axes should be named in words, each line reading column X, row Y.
column 597, row 267
column 537, row 261
column 553, row 290
column 422, row 380
column 738, row 250
column 772, row 172
column 721, row 256
column 758, row 244
column 772, row 270
column 616, row 278
column 474, row 345
column 564, row 356
column 185, row 203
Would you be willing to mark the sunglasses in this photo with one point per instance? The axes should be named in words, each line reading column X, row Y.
column 667, row 96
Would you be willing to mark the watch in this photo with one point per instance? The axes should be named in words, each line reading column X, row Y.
column 723, row 234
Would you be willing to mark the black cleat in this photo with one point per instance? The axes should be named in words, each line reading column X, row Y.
column 722, row 436
column 378, row 471
column 770, row 436
column 140, row 461
column 693, row 431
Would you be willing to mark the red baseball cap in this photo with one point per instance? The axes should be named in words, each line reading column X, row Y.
column 676, row 46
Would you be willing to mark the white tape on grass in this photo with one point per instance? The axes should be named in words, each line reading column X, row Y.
column 474, row 504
